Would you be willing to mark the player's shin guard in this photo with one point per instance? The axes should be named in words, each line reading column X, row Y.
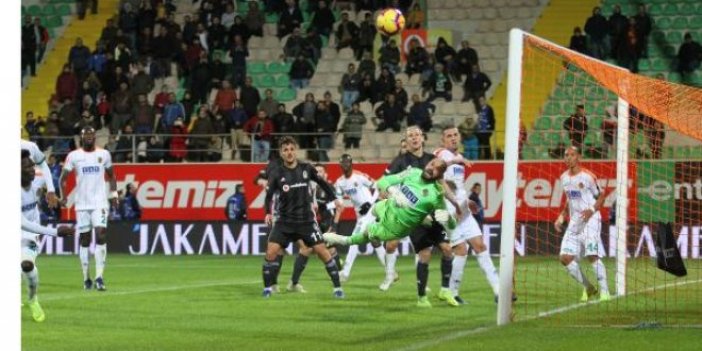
column 337, row 259
column 574, row 270
column 300, row 264
column 269, row 268
column 390, row 259
column 446, row 267
column 84, row 254
column 32, row 282
column 100, row 259
column 333, row 272
column 380, row 253
column 485, row 262
column 279, row 260
column 350, row 258
column 459, row 264
column 601, row 273
column 422, row 277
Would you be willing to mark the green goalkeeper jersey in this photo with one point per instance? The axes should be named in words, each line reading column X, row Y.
column 421, row 198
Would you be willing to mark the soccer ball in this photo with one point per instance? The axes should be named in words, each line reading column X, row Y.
column 390, row 22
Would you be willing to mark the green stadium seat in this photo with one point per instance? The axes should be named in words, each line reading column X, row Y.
column 552, row 109
column 63, row 10
column 696, row 152
column 568, row 80
column 543, row 123
column 659, row 65
column 674, row 38
column 595, row 123
column 655, row 10
column 696, row 22
column 668, row 152
column 670, row 51
column 658, row 1
column 325, row 41
column 255, row 67
column 593, row 138
column 644, row 65
column 34, row 10
column 23, row 10
column 529, row 153
column 578, row 92
column 266, row 81
column 243, row 6
column 179, row 94
column 553, row 138
column 53, row 22
column 680, row 22
column 272, row 18
column 286, row 95
column 699, row 10
column 673, row 77
column 536, row 138
column 682, row 152
column 686, row 9
column 277, row 67
column 48, row 10
column 561, row 93
column 283, row 81
column 670, row 9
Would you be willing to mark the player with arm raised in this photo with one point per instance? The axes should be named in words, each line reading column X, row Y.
column 356, row 186
column 584, row 201
column 31, row 227
column 468, row 230
column 40, row 161
column 91, row 164
column 296, row 219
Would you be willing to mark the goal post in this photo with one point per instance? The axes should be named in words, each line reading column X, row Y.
column 642, row 143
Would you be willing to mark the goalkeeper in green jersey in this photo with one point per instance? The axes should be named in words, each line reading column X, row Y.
column 414, row 197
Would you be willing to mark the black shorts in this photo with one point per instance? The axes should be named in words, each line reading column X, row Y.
column 285, row 233
column 423, row 237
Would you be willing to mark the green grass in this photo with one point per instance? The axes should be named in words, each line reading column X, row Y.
column 214, row 303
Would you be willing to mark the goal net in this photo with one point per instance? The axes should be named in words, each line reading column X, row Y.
column 640, row 137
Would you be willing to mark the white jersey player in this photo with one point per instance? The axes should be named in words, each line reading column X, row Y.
column 582, row 236
column 40, row 162
column 360, row 189
column 31, row 227
column 91, row 164
column 467, row 231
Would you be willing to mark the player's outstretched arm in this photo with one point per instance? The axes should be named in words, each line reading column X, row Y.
column 36, row 228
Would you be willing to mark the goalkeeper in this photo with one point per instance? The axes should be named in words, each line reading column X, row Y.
column 415, row 197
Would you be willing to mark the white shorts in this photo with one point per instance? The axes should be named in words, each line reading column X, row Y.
column 582, row 237
column 91, row 219
column 362, row 223
column 468, row 227
column 30, row 250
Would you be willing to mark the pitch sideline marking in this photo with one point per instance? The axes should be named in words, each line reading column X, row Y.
column 478, row 330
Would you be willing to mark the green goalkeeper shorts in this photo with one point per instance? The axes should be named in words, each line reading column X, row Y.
column 386, row 228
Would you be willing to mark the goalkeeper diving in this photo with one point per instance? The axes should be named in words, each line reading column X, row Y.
column 414, row 197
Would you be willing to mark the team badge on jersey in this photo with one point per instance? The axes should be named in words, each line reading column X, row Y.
column 286, row 188
column 304, row 174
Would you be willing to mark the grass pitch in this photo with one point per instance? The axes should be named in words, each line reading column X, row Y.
column 214, row 303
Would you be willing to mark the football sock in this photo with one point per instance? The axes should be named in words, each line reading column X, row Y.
column 84, row 254
column 298, row 268
column 422, row 277
column 279, row 259
column 485, row 262
column 446, row 265
column 100, row 259
column 269, row 268
column 350, row 258
column 459, row 264
column 337, row 259
column 380, row 253
column 333, row 272
column 32, row 282
column 601, row 273
column 390, row 259
column 575, row 272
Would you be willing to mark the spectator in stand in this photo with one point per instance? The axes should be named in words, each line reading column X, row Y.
column 123, row 56
column 238, row 53
column 220, row 126
column 109, row 33
column 55, row 168
column 42, row 38
column 390, row 114
column 290, row 18
column 128, row 23
column 103, row 109
column 366, row 36
column 390, row 56
column 189, row 29
column 366, row 91
column 66, row 84
column 217, row 35
column 269, row 104
column 301, row 71
column 445, row 54
column 628, row 56
column 350, row 83
column 418, row 60
column 177, row 147
column 384, row 84
column 203, row 36
column 486, row 126
column 578, row 42
column 161, row 99
column 415, row 18
column 29, row 47
column 332, row 107
column 353, row 127
column 163, row 48
column 420, row 114
column 129, row 206
column 346, row 33
column 283, row 124
column 259, row 128
column 142, row 83
column 90, row 86
column 367, row 66
column 237, row 117
column 145, row 42
column 200, row 79
column 172, row 111
column 98, row 60
column 144, row 116
column 326, row 125
column 476, row 85
column 439, row 85
column 202, row 129
column 644, row 24
column 689, row 55
column 295, row 45
column 618, row 25
column 597, row 29
column 576, row 126
column 226, row 96
column 123, row 152
column 400, row 94
column 467, row 57
column 239, row 28
column 34, row 128
column 230, row 13
column 323, row 19
column 313, row 45
column 250, row 97
column 255, row 19
column 468, row 129
column 122, row 104
column 305, row 113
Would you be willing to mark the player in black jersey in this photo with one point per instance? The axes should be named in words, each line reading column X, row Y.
column 423, row 238
column 327, row 210
column 296, row 219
